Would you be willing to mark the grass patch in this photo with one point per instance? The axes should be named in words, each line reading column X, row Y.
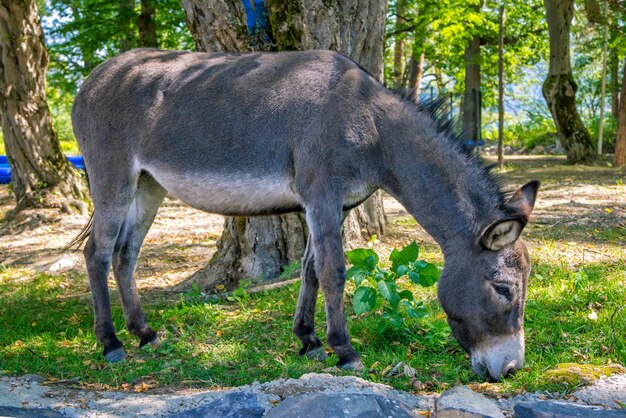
column 575, row 314
column 572, row 316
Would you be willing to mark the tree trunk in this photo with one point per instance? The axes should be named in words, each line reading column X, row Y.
column 416, row 73
column 259, row 247
column 615, row 84
column 501, row 88
column 399, row 42
column 471, row 112
column 559, row 88
column 127, row 19
column 620, row 141
column 146, row 24
column 42, row 177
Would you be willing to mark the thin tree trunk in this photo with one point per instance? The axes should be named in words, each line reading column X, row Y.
column 471, row 102
column 620, row 141
column 399, row 42
column 501, row 89
column 615, row 84
column 41, row 176
column 146, row 24
column 416, row 73
column 559, row 88
column 127, row 18
column 605, row 45
column 259, row 247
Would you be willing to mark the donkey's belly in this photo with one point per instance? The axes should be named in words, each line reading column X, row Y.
column 236, row 194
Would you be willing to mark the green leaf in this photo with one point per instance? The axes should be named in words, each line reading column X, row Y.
column 429, row 275
column 401, row 270
column 364, row 258
column 405, row 256
column 416, row 313
column 406, row 295
column 356, row 273
column 364, row 299
column 389, row 291
column 414, row 277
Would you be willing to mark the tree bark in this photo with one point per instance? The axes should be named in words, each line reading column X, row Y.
column 259, row 247
column 615, row 84
column 471, row 111
column 559, row 88
column 41, row 176
column 399, row 42
column 146, row 24
column 127, row 18
column 416, row 73
column 620, row 140
column 501, row 88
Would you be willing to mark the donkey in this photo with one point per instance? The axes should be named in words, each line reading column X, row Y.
column 270, row 133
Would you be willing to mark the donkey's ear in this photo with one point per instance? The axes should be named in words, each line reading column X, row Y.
column 521, row 204
column 506, row 231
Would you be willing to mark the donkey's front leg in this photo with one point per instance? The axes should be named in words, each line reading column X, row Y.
column 325, row 232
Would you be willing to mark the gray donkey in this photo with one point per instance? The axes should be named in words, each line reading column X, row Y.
column 269, row 133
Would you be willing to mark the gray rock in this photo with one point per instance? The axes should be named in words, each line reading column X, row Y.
column 461, row 401
column 14, row 412
column 33, row 378
column 233, row 405
column 346, row 405
column 604, row 392
column 551, row 409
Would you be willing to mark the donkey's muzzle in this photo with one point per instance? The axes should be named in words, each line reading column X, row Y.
column 500, row 357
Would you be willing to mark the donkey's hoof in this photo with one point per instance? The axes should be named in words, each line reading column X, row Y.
column 116, row 355
column 354, row 365
column 149, row 336
column 318, row 354
column 154, row 342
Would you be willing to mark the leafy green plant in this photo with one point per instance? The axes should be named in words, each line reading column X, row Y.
column 377, row 288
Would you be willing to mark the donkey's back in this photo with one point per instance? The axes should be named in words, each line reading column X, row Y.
column 228, row 133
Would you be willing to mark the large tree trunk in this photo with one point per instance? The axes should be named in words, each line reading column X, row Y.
column 559, row 88
column 620, row 141
column 42, row 177
column 146, row 24
column 259, row 247
column 471, row 112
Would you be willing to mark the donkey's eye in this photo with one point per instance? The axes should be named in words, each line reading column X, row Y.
column 503, row 290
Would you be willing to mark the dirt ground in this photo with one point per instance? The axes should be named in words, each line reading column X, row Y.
column 576, row 203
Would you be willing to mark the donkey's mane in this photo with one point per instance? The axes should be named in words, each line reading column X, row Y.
column 452, row 131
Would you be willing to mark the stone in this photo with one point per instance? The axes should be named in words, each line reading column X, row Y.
column 33, row 378
column 604, row 392
column 14, row 412
column 232, row 405
column 462, row 402
column 552, row 409
column 335, row 405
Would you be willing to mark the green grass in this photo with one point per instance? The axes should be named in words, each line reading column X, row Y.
column 576, row 313
column 46, row 322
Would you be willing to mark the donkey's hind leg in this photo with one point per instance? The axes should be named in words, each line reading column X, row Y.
column 304, row 321
column 109, row 211
column 148, row 198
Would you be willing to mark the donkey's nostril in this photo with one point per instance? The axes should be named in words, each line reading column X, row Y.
column 510, row 369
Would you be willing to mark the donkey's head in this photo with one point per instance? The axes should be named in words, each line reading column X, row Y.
column 483, row 290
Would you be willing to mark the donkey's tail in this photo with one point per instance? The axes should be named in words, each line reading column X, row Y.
column 77, row 242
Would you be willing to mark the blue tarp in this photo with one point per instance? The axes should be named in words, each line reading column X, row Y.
column 5, row 168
